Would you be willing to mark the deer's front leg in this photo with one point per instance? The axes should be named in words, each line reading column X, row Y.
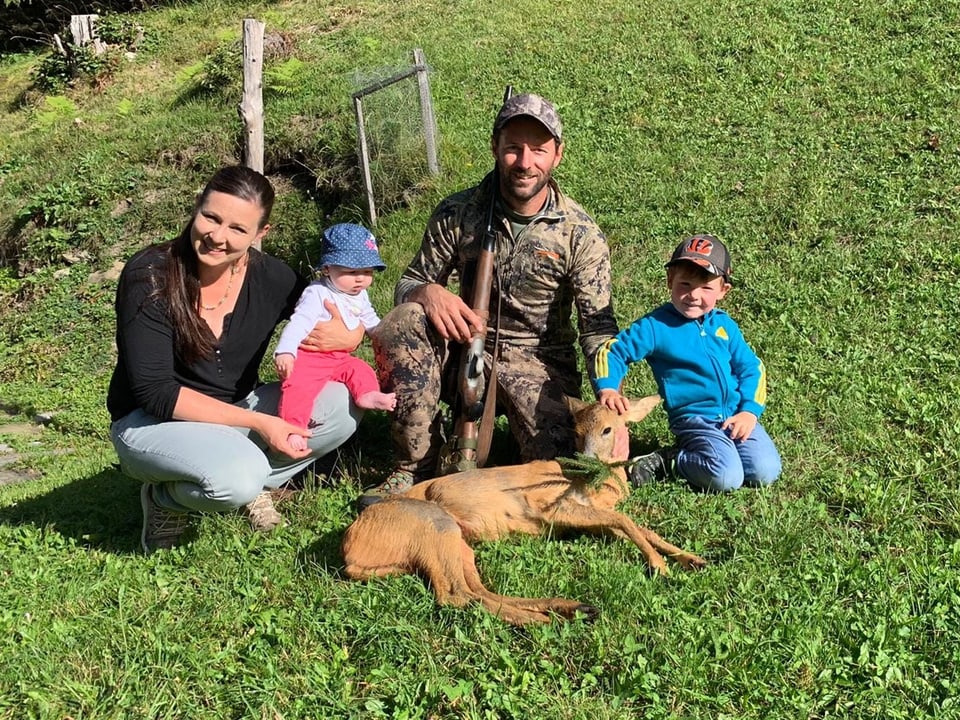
column 599, row 521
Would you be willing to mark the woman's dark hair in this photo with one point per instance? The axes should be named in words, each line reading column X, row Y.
column 178, row 281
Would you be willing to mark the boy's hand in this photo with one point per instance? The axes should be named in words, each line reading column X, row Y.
column 284, row 364
column 740, row 425
column 614, row 400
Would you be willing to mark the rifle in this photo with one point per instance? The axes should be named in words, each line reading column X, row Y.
column 469, row 445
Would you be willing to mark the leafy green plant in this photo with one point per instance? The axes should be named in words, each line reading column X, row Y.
column 285, row 78
column 83, row 63
column 54, row 109
column 219, row 71
column 124, row 31
column 57, row 214
column 54, row 73
column 590, row 470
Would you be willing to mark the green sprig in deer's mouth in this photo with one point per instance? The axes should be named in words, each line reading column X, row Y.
column 592, row 471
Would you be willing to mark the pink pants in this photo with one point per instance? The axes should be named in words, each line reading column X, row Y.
column 311, row 371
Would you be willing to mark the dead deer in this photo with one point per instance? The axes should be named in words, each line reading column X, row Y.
column 427, row 530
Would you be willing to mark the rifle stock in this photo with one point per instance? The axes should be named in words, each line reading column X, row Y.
column 463, row 450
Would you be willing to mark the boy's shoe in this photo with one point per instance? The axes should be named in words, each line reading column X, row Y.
column 651, row 467
column 162, row 528
column 262, row 514
column 399, row 481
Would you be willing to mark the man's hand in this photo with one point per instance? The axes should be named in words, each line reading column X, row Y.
column 614, row 400
column 740, row 425
column 284, row 364
column 332, row 334
column 448, row 313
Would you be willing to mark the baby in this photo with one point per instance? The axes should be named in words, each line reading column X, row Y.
column 348, row 260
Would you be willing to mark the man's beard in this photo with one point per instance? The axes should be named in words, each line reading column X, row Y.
column 521, row 193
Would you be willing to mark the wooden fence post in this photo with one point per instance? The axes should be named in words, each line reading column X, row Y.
column 251, row 107
column 426, row 112
column 364, row 159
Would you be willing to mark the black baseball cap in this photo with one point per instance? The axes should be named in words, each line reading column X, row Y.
column 706, row 251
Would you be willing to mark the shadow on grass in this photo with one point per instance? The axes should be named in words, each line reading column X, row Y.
column 103, row 511
column 322, row 557
column 100, row 512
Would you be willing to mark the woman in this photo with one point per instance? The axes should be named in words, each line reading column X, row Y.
column 194, row 318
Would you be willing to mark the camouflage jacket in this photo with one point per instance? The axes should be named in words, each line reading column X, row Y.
column 559, row 260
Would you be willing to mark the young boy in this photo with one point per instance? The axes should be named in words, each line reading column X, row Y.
column 712, row 384
column 348, row 259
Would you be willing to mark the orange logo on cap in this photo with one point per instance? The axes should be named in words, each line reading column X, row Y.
column 701, row 246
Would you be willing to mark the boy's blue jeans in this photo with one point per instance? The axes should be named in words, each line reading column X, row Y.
column 209, row 467
column 709, row 460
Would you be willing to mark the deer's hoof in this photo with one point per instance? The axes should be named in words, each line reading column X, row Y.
column 587, row 612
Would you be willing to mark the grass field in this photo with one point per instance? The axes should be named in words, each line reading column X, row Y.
column 817, row 138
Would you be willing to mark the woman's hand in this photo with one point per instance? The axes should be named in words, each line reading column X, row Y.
column 332, row 334
column 195, row 406
column 276, row 433
column 448, row 313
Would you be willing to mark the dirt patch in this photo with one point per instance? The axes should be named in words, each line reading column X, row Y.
column 11, row 470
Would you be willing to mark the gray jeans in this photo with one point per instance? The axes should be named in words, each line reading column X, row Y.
column 210, row 467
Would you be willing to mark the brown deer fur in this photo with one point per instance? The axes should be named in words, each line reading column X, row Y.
column 426, row 530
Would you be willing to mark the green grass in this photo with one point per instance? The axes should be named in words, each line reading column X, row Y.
column 817, row 138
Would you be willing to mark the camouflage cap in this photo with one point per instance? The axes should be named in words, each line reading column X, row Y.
column 532, row 106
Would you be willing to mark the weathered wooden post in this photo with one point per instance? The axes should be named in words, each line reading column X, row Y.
column 426, row 111
column 365, row 159
column 251, row 107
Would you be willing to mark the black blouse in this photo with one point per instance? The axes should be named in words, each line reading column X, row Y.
column 149, row 373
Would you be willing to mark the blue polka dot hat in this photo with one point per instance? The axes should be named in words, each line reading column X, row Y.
column 350, row 246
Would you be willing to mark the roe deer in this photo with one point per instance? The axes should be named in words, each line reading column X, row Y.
column 426, row 530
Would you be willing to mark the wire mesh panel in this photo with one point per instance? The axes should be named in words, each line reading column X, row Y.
column 396, row 133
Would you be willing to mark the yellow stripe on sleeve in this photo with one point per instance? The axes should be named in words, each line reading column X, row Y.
column 601, row 364
column 760, row 397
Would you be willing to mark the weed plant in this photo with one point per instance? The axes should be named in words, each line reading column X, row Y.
column 817, row 138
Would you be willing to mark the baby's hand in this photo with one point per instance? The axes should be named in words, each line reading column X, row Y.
column 614, row 400
column 284, row 364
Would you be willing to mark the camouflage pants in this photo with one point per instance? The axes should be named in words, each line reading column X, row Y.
column 414, row 362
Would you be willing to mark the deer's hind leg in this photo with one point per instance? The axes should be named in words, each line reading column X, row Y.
column 404, row 536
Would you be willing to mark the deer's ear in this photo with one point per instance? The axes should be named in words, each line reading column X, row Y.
column 575, row 405
column 641, row 407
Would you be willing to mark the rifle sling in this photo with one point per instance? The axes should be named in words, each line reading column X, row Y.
column 488, row 419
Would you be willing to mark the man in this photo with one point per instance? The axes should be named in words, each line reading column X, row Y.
column 550, row 257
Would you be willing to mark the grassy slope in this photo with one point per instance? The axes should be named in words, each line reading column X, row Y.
column 800, row 132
